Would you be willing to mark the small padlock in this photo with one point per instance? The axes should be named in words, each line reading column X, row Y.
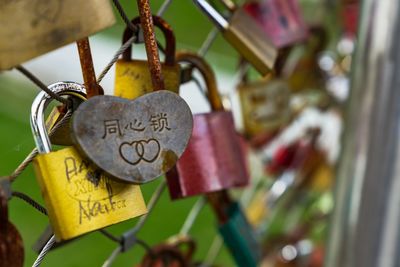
column 245, row 35
column 306, row 73
column 281, row 21
column 11, row 245
column 79, row 198
column 264, row 105
column 31, row 28
column 240, row 238
column 132, row 77
column 213, row 159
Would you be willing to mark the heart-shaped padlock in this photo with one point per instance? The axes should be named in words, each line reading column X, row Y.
column 133, row 140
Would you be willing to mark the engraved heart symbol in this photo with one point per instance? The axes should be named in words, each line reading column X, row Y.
column 134, row 141
column 136, row 151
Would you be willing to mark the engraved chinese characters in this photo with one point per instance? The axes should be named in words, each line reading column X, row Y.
column 33, row 27
column 79, row 198
column 133, row 140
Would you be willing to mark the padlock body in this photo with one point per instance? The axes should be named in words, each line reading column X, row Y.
column 280, row 20
column 248, row 38
column 80, row 199
column 213, row 159
column 264, row 106
column 61, row 136
column 240, row 238
column 133, row 79
column 36, row 27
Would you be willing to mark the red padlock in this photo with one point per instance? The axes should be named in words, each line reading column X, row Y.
column 213, row 159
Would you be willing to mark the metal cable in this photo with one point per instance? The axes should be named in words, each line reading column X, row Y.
column 25, row 163
column 213, row 252
column 195, row 211
column 202, row 90
column 112, row 257
column 192, row 216
column 124, row 17
column 110, row 236
column 163, row 7
column 22, row 166
column 132, row 233
column 153, row 201
column 115, row 57
column 212, row 35
column 41, row 85
column 44, row 251
column 30, row 201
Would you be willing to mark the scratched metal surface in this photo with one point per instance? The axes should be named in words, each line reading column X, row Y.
column 133, row 140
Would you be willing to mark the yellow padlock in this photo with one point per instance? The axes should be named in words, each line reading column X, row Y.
column 132, row 77
column 264, row 105
column 79, row 198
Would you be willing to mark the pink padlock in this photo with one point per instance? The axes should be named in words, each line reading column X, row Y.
column 282, row 21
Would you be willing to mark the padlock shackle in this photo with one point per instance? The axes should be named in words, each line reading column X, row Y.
column 40, row 104
column 184, row 240
column 213, row 14
column 208, row 75
column 170, row 42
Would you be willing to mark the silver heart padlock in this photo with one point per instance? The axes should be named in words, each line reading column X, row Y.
column 133, row 140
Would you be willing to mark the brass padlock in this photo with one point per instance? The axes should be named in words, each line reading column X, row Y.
column 245, row 35
column 132, row 77
column 264, row 105
column 213, row 159
column 31, row 28
column 79, row 198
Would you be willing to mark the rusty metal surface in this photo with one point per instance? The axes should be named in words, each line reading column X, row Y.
column 213, row 159
column 11, row 245
column 146, row 20
column 133, row 140
column 89, row 76
column 164, row 256
column 173, row 253
column 166, row 29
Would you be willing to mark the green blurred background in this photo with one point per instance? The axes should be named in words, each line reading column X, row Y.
column 16, row 95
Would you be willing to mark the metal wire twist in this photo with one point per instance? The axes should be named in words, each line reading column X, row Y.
column 25, row 163
column 196, row 209
column 41, row 85
column 30, row 201
column 115, row 58
column 124, row 17
column 44, row 251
